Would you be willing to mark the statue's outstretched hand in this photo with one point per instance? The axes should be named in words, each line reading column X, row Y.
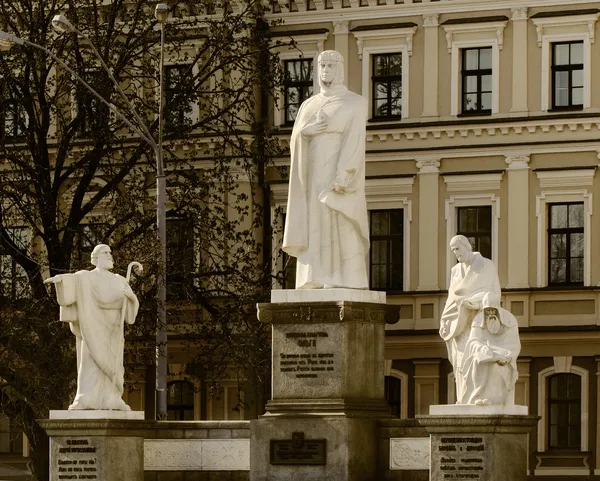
column 53, row 280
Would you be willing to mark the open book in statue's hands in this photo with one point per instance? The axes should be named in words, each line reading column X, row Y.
column 489, row 353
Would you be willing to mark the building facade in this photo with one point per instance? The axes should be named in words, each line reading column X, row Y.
column 483, row 121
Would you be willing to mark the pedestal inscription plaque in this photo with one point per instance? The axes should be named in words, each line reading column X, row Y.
column 77, row 458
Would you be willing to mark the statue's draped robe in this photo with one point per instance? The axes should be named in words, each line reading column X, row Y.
column 470, row 283
column 326, row 230
column 489, row 380
column 92, row 302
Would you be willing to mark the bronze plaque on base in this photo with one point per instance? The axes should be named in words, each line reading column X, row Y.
column 298, row 451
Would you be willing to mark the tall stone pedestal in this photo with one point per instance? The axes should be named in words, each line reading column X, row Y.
column 327, row 386
column 478, row 447
column 95, row 445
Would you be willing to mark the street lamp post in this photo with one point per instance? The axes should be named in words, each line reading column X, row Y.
column 63, row 25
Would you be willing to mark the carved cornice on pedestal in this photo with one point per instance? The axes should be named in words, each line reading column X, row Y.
column 517, row 162
column 428, row 166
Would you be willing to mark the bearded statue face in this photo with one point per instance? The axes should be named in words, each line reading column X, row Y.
column 492, row 319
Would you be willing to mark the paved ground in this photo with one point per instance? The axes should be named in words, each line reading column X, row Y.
column 14, row 468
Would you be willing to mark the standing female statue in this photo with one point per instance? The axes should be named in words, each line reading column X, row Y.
column 92, row 302
column 326, row 222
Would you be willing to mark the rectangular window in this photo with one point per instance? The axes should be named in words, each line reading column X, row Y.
column 94, row 114
column 177, row 98
column 387, row 249
column 297, row 86
column 387, row 85
column 180, row 258
column 567, row 75
column 564, row 411
column 565, row 243
column 475, row 223
column 14, row 283
column 477, row 80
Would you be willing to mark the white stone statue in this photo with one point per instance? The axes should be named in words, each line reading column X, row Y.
column 326, row 224
column 489, row 367
column 474, row 285
column 95, row 304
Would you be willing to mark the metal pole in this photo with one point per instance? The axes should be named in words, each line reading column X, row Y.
column 161, row 218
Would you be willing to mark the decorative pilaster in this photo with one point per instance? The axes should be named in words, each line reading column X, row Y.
column 518, row 221
column 519, row 72
column 430, row 83
column 341, row 31
column 429, row 174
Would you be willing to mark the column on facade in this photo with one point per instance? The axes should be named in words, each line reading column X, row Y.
column 430, row 77
column 597, row 469
column 341, row 32
column 429, row 174
column 427, row 384
column 519, row 73
column 517, row 236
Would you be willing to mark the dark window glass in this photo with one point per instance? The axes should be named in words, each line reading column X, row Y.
column 567, row 75
column 475, row 223
column 564, row 411
column 387, row 85
column 88, row 237
column 565, row 243
column 93, row 113
column 297, row 86
column 178, row 103
column 14, row 283
column 477, row 80
column 180, row 258
column 14, row 117
column 387, row 249
column 393, row 395
column 180, row 401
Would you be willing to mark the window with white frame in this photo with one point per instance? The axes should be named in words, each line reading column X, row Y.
column 563, row 405
column 386, row 85
column 298, row 79
column 567, row 75
column 385, row 54
column 300, row 59
column 565, row 39
column 177, row 97
column 93, row 114
column 563, row 232
column 475, row 216
column 475, row 64
column 14, row 117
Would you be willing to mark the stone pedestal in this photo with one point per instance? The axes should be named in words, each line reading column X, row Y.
column 478, row 447
column 327, row 387
column 88, row 445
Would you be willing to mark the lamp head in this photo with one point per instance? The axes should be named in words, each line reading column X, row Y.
column 61, row 24
column 161, row 12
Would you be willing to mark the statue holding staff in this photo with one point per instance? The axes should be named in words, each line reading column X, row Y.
column 96, row 303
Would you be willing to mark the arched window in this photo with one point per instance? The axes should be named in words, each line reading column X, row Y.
column 564, row 411
column 180, row 401
column 393, row 395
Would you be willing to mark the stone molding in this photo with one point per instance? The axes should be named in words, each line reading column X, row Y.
column 519, row 14
column 481, row 424
column 566, row 178
column 495, row 29
column 473, row 182
column 431, row 20
column 398, row 36
column 341, row 27
column 428, row 166
column 197, row 455
column 327, row 312
column 517, row 162
column 587, row 21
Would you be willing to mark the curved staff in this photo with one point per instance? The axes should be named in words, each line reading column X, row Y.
column 138, row 270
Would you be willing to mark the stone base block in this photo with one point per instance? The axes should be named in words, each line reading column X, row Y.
column 96, row 414
column 471, row 410
column 95, row 449
column 478, row 447
column 313, row 448
column 327, row 295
